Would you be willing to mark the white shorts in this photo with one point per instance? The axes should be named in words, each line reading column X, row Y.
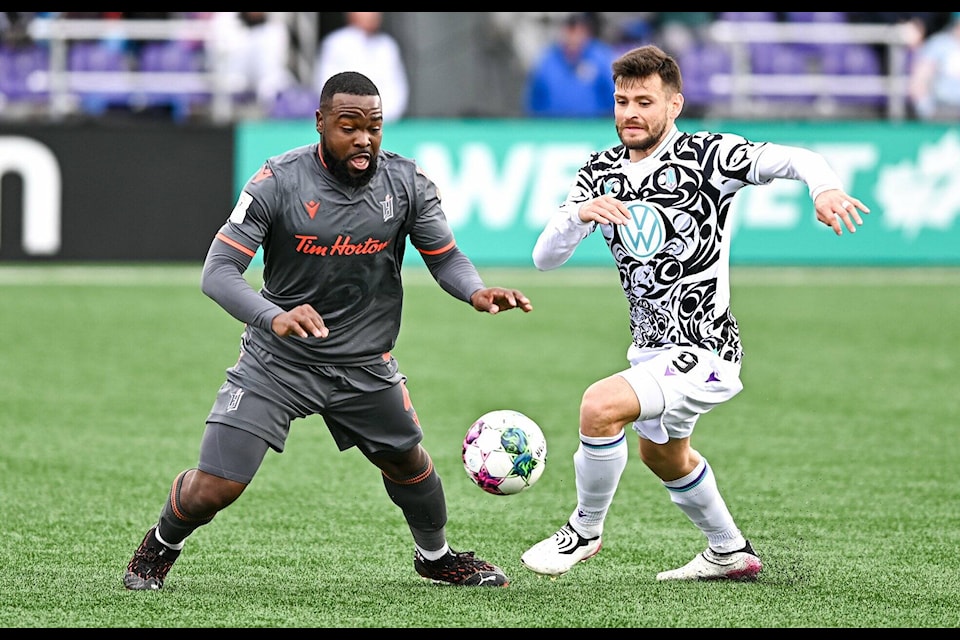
column 675, row 386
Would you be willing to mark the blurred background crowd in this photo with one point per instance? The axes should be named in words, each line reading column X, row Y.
column 227, row 66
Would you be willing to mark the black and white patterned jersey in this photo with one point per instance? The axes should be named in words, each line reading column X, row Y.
column 673, row 257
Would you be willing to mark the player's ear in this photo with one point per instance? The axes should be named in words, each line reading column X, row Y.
column 676, row 105
column 319, row 117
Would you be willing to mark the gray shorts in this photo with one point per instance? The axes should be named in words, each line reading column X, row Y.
column 363, row 406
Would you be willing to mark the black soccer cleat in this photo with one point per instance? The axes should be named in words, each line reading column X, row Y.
column 150, row 563
column 460, row 568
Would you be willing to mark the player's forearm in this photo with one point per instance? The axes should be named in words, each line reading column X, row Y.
column 560, row 238
column 455, row 274
column 222, row 280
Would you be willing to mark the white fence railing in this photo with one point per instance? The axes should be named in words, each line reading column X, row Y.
column 741, row 85
column 63, row 83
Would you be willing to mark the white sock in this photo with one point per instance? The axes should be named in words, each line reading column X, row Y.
column 599, row 463
column 697, row 496
column 434, row 555
column 175, row 547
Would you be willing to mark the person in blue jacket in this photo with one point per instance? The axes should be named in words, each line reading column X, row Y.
column 572, row 77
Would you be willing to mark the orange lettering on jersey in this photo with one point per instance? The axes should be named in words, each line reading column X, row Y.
column 342, row 247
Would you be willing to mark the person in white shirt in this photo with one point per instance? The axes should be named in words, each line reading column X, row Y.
column 362, row 46
column 935, row 75
column 253, row 48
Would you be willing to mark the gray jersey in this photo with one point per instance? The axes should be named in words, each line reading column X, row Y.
column 335, row 247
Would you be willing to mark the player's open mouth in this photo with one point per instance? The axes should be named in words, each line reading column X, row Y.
column 360, row 162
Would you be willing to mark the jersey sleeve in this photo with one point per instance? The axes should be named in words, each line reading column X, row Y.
column 565, row 231
column 229, row 256
column 797, row 163
column 432, row 236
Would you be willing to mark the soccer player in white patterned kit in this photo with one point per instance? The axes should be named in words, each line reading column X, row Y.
column 333, row 219
column 661, row 201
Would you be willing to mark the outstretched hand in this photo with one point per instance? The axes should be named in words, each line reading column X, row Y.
column 836, row 209
column 495, row 299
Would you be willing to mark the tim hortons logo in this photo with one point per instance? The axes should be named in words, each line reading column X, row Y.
column 343, row 246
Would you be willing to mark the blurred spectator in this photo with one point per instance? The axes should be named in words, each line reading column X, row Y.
column 572, row 78
column 920, row 23
column 13, row 28
column 253, row 47
column 361, row 45
column 935, row 75
column 680, row 31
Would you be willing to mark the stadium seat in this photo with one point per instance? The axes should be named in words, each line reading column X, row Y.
column 699, row 63
column 854, row 59
column 779, row 59
column 747, row 16
column 814, row 18
column 17, row 64
column 103, row 57
column 174, row 56
column 297, row 101
column 828, row 17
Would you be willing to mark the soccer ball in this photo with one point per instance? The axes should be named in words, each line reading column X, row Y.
column 504, row 452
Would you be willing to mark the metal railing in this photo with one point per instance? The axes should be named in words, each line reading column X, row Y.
column 64, row 84
column 741, row 85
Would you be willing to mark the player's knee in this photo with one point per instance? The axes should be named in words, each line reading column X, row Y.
column 600, row 413
column 203, row 495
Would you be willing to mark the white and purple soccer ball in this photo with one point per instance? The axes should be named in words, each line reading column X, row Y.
column 504, row 452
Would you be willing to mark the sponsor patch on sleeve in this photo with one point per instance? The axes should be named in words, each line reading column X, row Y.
column 240, row 210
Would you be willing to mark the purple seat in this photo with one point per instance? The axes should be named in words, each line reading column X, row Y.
column 858, row 59
column 297, row 101
column 780, row 59
column 814, row 18
column 777, row 58
column 748, row 16
column 174, row 56
column 854, row 59
column 699, row 64
column 98, row 56
column 829, row 17
column 17, row 64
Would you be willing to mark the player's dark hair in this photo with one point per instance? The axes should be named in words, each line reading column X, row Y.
column 349, row 82
column 646, row 61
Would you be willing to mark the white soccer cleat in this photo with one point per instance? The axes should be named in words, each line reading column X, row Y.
column 557, row 554
column 743, row 565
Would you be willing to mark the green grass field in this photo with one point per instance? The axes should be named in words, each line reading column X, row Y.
column 839, row 460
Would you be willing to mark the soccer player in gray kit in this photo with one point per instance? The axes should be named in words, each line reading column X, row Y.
column 333, row 219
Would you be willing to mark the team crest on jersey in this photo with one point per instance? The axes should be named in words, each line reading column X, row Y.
column 667, row 179
column 386, row 206
column 643, row 235
column 613, row 185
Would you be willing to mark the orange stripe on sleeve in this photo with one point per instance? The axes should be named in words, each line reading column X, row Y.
column 436, row 252
column 236, row 245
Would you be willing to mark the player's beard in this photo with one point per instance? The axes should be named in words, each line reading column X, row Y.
column 647, row 143
column 341, row 171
